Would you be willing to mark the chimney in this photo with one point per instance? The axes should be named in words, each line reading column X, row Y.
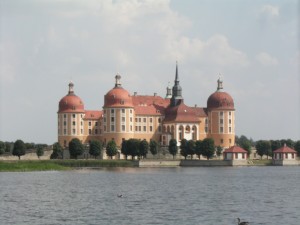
column 135, row 93
column 155, row 94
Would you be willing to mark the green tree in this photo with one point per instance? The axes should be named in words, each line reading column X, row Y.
column 290, row 143
column 184, row 148
column 95, row 148
column 153, row 147
column 2, row 147
column 19, row 148
column 219, row 151
column 263, row 147
column 39, row 151
column 208, row 148
column 143, row 148
column 57, row 151
column 191, row 148
column 124, row 148
column 111, row 148
column 297, row 147
column 275, row 144
column 76, row 148
column 29, row 145
column 133, row 147
column 198, row 148
column 8, row 146
column 173, row 149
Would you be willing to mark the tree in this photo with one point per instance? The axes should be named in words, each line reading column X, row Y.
column 198, row 148
column 2, row 147
column 208, row 148
column 39, row 151
column 8, row 146
column 76, row 148
column 153, row 147
column 95, row 148
column 111, row 148
column 263, row 147
column 19, row 148
column 143, row 148
column 219, row 151
column 133, row 147
column 290, row 143
column 297, row 147
column 183, row 148
column 275, row 144
column 57, row 151
column 124, row 148
column 191, row 148
column 29, row 145
column 245, row 143
column 173, row 149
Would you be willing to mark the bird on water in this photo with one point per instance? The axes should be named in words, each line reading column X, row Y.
column 242, row 223
column 120, row 196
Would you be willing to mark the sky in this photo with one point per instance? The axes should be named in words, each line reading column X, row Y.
column 252, row 44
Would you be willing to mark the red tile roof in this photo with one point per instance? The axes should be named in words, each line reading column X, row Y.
column 235, row 149
column 93, row 115
column 285, row 149
column 149, row 105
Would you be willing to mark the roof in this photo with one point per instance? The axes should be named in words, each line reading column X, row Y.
column 235, row 149
column 92, row 115
column 285, row 149
column 184, row 113
column 220, row 100
column 71, row 103
column 149, row 105
column 118, row 97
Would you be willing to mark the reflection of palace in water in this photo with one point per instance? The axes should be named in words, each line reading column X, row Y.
column 126, row 116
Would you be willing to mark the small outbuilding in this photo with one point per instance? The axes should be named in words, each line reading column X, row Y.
column 285, row 156
column 236, row 154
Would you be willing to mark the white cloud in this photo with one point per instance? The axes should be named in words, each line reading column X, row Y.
column 266, row 59
column 270, row 10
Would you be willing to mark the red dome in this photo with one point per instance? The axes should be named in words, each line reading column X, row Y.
column 118, row 97
column 71, row 103
column 220, row 100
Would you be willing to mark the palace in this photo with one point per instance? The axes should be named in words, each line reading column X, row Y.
column 126, row 116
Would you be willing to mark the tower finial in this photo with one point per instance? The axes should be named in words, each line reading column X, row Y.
column 220, row 83
column 118, row 80
column 176, row 74
column 71, row 88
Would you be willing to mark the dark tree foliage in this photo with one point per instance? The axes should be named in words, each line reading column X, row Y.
column 244, row 143
column 275, row 144
column 219, row 151
column 153, row 147
column 133, row 147
column 191, row 148
column 263, row 147
column 290, row 143
column 57, row 151
column 143, row 148
column 76, row 148
column 8, row 146
column 173, row 149
column 95, row 148
column 198, row 148
column 2, row 147
column 111, row 148
column 39, row 151
column 208, row 148
column 19, row 148
column 297, row 147
column 184, row 148
column 29, row 145
column 125, row 149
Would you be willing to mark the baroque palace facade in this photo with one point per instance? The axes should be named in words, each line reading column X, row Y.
column 126, row 116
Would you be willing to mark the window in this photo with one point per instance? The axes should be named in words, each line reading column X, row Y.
column 90, row 131
column 159, row 128
column 236, row 156
column 96, row 131
column 159, row 120
column 130, row 111
column 150, row 120
column 81, row 123
column 73, row 115
column 136, row 128
column 221, row 114
column 104, row 119
column 145, row 129
column 112, row 128
column 136, row 119
column 81, row 131
column 130, row 127
column 123, row 127
column 65, row 116
column 206, row 121
column 123, row 119
column 90, row 123
column 150, row 128
column 112, row 119
column 130, row 119
column 74, row 123
column 229, row 113
column 123, row 110
column 229, row 121
column 140, row 119
column 206, row 129
column 222, row 141
column 221, row 121
column 243, row 155
column 145, row 119
column 96, row 124
column 140, row 128
column 65, row 131
column 229, row 129
column 229, row 141
column 104, row 128
column 65, row 123
column 221, row 129
column 74, row 131
column 112, row 111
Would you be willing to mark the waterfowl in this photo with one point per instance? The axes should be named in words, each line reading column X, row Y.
column 242, row 223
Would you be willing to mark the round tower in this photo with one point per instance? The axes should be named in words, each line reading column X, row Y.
column 118, row 114
column 70, row 117
column 221, row 117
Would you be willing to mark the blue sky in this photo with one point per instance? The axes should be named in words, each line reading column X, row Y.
column 253, row 44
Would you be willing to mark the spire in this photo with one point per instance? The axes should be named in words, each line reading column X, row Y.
column 176, row 90
column 118, row 80
column 220, row 84
column 71, row 88
column 169, row 92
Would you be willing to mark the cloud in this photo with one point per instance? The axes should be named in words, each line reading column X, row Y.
column 266, row 59
column 9, row 62
column 270, row 10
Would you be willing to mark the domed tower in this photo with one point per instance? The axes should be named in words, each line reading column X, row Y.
column 220, row 110
column 70, row 117
column 118, row 114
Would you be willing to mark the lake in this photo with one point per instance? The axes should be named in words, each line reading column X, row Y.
column 202, row 195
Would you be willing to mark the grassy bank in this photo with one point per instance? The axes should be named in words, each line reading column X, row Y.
column 262, row 162
column 45, row 165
